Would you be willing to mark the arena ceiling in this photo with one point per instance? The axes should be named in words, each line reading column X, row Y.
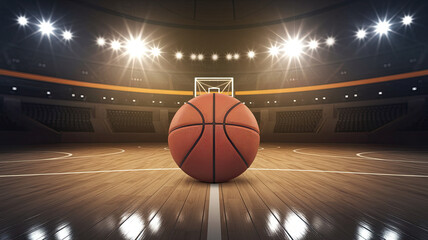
column 215, row 15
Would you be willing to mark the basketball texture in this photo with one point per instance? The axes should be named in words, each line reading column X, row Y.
column 214, row 138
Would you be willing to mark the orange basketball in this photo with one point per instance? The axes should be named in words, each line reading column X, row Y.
column 214, row 138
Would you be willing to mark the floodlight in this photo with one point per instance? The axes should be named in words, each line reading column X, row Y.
column 67, row 35
column 251, row 54
column 383, row 27
column 22, row 20
column 236, row 56
column 116, row 45
column 178, row 55
column 101, row 41
column 136, row 48
column 293, row 47
column 313, row 44
column 214, row 57
column 200, row 57
column 229, row 56
column 156, row 52
column 330, row 41
column 46, row 28
column 193, row 56
column 407, row 20
column 361, row 34
column 274, row 50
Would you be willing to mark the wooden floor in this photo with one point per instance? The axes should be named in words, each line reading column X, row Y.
column 135, row 191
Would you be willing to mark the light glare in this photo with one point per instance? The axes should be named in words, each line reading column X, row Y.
column 293, row 47
column 383, row 27
column 46, row 28
column 214, row 57
column 178, row 55
column 116, row 45
column 229, row 56
column 361, row 34
column 22, row 20
column 193, row 56
column 156, row 52
column 251, row 54
column 236, row 56
column 330, row 41
column 313, row 44
column 407, row 20
column 101, row 41
column 136, row 48
column 200, row 57
column 274, row 51
column 67, row 35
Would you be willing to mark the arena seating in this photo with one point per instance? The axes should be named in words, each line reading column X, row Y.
column 6, row 124
column 297, row 121
column 422, row 123
column 60, row 118
column 170, row 116
column 131, row 121
column 368, row 118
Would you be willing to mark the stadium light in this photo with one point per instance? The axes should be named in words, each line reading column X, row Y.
column 115, row 45
column 200, row 56
column 330, row 41
column 46, row 28
column 67, row 35
column 361, row 34
column 407, row 20
column 193, row 56
column 136, row 48
column 229, row 56
column 274, row 51
column 251, row 54
column 383, row 27
column 101, row 41
column 156, row 52
column 22, row 21
column 293, row 47
column 214, row 57
column 236, row 56
column 178, row 55
column 313, row 44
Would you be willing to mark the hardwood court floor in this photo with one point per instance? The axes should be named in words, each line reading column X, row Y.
column 135, row 191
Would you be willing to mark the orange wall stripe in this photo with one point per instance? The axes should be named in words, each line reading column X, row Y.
column 91, row 85
column 42, row 78
column 336, row 85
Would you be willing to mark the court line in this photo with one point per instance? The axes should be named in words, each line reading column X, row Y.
column 66, row 155
column 214, row 220
column 339, row 172
column 298, row 150
column 87, row 172
column 69, row 156
column 361, row 154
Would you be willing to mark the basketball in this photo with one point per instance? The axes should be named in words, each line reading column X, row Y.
column 214, row 138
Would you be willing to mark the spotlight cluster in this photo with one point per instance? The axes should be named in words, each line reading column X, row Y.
column 45, row 28
column 292, row 47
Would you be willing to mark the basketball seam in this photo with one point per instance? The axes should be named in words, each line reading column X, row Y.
column 227, row 136
column 199, row 124
column 200, row 135
column 213, row 137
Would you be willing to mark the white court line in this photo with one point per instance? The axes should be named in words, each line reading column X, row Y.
column 101, row 155
column 66, row 155
column 87, row 172
column 361, row 154
column 339, row 172
column 214, row 221
column 298, row 150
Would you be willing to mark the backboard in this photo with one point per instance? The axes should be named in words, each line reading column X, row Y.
column 223, row 85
